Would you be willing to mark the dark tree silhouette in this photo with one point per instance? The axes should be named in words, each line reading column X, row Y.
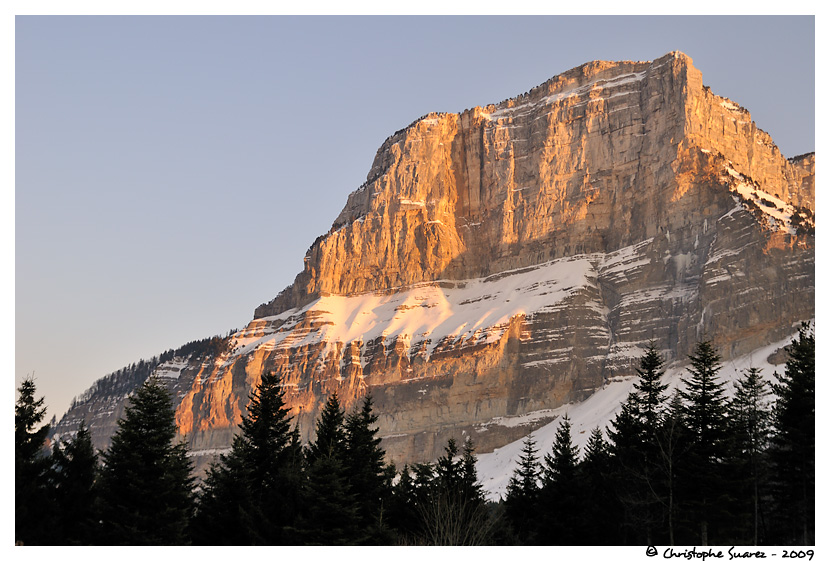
column 705, row 413
column 252, row 496
column 794, row 451
column 521, row 500
column 75, row 470
column 146, row 483
column 32, row 504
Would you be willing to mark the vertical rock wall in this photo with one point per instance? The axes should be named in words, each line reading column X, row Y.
column 600, row 210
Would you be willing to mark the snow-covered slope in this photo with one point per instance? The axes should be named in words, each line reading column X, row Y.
column 496, row 468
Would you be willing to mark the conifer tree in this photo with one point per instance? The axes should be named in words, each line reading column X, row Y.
column 370, row 479
column 253, row 495
column 75, row 470
column 520, row 502
column 794, row 451
column 650, row 396
column 32, row 500
column 672, row 443
column 146, row 483
column 602, row 507
column 331, row 509
column 705, row 412
column 402, row 511
column 330, row 435
column 451, row 504
column 410, row 497
column 559, row 497
column 628, row 434
column 469, row 475
column 750, row 422
column 560, row 464
column 650, row 392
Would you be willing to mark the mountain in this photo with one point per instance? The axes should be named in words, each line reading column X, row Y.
column 500, row 263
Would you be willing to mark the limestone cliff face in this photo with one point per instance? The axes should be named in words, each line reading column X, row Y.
column 571, row 167
column 506, row 260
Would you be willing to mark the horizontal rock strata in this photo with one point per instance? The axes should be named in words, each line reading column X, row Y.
column 501, row 262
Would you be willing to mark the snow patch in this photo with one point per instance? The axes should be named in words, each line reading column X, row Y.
column 407, row 202
column 779, row 213
column 599, row 83
column 731, row 106
column 172, row 368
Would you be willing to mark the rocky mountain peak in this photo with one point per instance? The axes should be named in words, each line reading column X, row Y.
column 465, row 195
column 506, row 260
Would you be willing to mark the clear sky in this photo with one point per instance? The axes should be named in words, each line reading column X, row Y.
column 172, row 171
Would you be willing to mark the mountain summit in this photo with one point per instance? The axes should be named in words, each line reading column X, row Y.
column 503, row 261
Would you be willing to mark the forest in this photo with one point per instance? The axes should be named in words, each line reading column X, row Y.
column 695, row 467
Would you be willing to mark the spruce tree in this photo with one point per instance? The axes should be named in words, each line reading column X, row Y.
column 520, row 502
column 560, row 464
column 628, row 434
column 672, row 443
column 603, row 510
column 330, row 435
column 469, row 475
column 705, row 412
column 408, row 497
column 650, row 396
column 450, row 500
column 794, row 451
column 32, row 498
column 650, row 392
column 560, row 519
column 146, row 483
column 369, row 477
column 75, row 470
column 253, row 495
column 331, row 510
column 750, row 422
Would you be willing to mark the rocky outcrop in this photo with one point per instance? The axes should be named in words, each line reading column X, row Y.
column 503, row 261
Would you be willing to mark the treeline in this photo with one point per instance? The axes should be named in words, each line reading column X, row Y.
column 692, row 467
column 125, row 380
column 268, row 490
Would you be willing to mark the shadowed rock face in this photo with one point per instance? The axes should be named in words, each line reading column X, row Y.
column 506, row 260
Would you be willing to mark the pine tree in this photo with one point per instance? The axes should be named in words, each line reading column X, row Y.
column 469, row 475
column 32, row 501
column 520, row 502
column 76, row 467
column 222, row 513
column 560, row 464
column 628, row 433
column 750, row 422
column 794, row 451
column 672, row 443
column 649, row 396
column 650, row 392
column 370, row 479
column 602, row 507
column 559, row 498
column 451, row 503
column 330, row 436
column 253, row 495
column 408, row 497
column 331, row 513
column 705, row 412
column 146, row 483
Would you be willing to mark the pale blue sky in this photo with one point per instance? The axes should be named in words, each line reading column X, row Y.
column 172, row 171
